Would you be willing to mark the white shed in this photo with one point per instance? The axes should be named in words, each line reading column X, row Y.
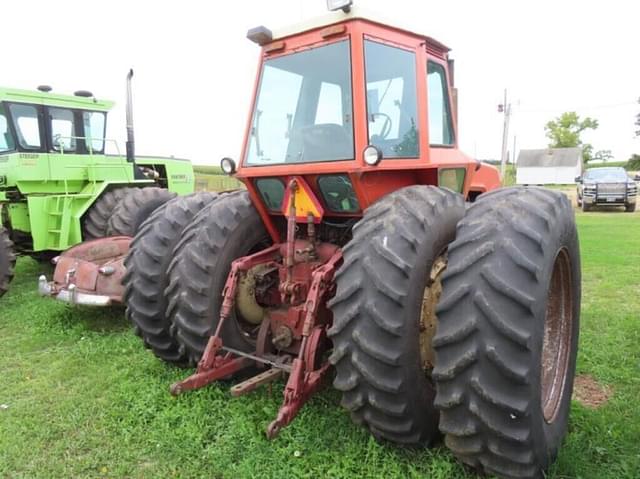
column 558, row 166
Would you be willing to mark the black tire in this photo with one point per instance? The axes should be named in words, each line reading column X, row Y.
column 147, row 273
column 585, row 206
column 134, row 208
column 491, row 330
column 94, row 224
column 227, row 229
column 7, row 261
column 377, row 311
column 630, row 207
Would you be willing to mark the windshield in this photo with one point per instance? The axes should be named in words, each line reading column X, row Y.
column 606, row 174
column 304, row 108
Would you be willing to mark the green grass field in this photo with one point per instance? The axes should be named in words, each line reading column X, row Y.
column 84, row 399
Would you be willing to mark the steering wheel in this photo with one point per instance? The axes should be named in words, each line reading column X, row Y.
column 386, row 127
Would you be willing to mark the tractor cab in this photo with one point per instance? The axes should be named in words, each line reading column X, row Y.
column 39, row 122
column 43, row 134
column 355, row 109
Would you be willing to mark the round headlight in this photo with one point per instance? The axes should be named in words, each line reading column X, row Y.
column 228, row 166
column 372, row 155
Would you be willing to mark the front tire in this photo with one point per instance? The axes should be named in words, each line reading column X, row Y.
column 630, row 207
column 507, row 334
column 7, row 261
column 378, row 329
column 147, row 278
column 227, row 229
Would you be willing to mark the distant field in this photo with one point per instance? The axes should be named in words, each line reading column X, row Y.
column 211, row 178
column 207, row 170
column 81, row 398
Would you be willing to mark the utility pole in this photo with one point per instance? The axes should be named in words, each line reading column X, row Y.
column 505, row 109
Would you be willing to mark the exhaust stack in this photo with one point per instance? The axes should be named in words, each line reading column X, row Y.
column 130, row 137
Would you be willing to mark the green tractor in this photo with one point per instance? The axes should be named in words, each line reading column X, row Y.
column 58, row 185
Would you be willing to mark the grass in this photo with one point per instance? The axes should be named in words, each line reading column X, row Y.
column 85, row 399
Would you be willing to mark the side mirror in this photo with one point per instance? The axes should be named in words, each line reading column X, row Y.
column 578, row 179
column 637, row 177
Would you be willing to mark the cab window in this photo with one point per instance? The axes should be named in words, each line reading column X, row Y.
column 63, row 131
column 25, row 119
column 391, row 100
column 440, row 125
column 338, row 193
column 272, row 192
column 94, row 123
column 6, row 140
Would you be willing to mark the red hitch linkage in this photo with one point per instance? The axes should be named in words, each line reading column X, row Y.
column 306, row 271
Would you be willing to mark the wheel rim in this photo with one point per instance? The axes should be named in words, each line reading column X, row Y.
column 556, row 345
column 430, row 298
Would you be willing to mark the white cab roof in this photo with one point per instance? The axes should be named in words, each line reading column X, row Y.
column 356, row 12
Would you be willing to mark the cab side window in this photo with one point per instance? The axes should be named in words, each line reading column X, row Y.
column 94, row 123
column 392, row 107
column 27, row 125
column 63, row 131
column 6, row 140
column 440, row 124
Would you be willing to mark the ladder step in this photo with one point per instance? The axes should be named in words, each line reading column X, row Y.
column 256, row 381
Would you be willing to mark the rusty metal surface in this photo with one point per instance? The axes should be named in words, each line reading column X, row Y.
column 556, row 345
column 92, row 268
column 294, row 324
column 255, row 382
column 428, row 319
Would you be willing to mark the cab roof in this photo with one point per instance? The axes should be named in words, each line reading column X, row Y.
column 54, row 99
column 357, row 13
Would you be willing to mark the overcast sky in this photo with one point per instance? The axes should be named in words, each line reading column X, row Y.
column 194, row 68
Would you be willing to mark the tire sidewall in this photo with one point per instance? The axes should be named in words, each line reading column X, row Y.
column 547, row 437
column 430, row 249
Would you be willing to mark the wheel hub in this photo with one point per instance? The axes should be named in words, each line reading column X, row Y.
column 428, row 319
column 557, row 337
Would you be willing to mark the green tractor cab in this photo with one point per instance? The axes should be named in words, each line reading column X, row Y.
column 60, row 187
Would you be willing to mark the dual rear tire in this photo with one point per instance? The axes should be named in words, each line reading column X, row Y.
column 147, row 267
column 507, row 329
column 177, row 268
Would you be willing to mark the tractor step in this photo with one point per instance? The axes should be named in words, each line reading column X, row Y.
column 255, row 382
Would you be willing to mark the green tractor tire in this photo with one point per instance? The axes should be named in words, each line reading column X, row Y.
column 134, row 208
column 7, row 261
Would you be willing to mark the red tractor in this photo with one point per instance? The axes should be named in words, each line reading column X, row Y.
column 352, row 248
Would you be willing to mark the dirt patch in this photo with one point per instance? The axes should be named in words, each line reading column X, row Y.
column 590, row 393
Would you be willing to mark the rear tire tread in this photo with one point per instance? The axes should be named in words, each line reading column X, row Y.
column 146, row 278
column 369, row 307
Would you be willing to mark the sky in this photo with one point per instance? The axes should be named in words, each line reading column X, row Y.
column 195, row 69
